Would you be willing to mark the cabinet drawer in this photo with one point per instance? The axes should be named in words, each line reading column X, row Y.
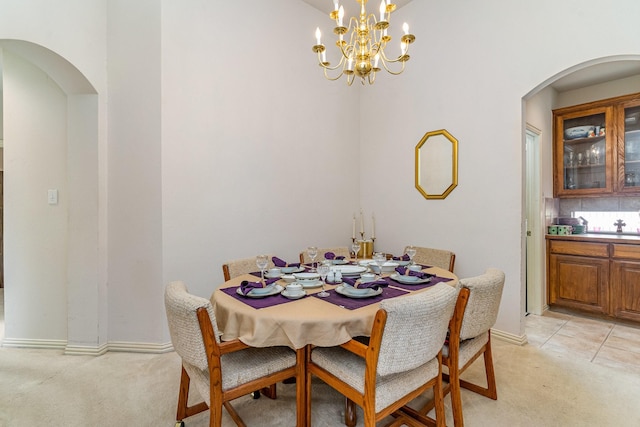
column 626, row 251
column 600, row 250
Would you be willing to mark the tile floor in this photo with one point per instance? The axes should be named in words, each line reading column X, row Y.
column 601, row 342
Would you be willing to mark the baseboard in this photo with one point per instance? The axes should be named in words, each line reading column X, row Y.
column 507, row 337
column 33, row 343
column 134, row 347
column 85, row 350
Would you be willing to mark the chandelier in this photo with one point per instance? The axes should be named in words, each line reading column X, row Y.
column 364, row 53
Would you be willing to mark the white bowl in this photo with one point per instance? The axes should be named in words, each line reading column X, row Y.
column 288, row 270
column 307, row 276
column 387, row 267
column 289, row 278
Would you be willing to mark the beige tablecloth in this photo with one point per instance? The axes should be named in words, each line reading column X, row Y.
column 295, row 324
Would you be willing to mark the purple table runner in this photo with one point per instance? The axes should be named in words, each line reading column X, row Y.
column 354, row 303
column 257, row 303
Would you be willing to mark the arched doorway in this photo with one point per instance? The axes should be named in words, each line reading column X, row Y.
column 53, row 292
column 596, row 75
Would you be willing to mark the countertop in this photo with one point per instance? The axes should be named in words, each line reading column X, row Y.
column 633, row 239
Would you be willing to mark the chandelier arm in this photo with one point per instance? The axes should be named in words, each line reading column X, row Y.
column 395, row 73
column 328, row 77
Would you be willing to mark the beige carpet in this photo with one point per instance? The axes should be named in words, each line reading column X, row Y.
column 44, row 388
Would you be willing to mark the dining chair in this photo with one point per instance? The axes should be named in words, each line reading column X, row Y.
column 434, row 257
column 470, row 336
column 401, row 360
column 238, row 267
column 221, row 371
column 338, row 251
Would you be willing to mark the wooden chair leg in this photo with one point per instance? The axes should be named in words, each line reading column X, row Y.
column 184, row 410
column 456, row 399
column 491, row 390
column 234, row 416
column 270, row 391
column 350, row 414
column 307, row 382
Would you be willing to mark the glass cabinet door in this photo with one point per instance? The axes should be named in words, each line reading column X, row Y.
column 631, row 140
column 584, row 152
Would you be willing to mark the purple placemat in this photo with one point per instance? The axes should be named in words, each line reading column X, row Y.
column 257, row 302
column 434, row 281
column 354, row 303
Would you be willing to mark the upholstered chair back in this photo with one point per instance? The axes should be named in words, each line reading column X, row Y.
column 435, row 257
column 242, row 266
column 184, row 328
column 485, row 292
column 338, row 251
column 416, row 328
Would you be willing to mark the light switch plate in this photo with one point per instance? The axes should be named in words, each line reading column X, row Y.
column 52, row 197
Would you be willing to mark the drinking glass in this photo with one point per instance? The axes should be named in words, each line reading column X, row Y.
column 380, row 259
column 312, row 251
column 262, row 261
column 411, row 251
column 323, row 270
column 355, row 247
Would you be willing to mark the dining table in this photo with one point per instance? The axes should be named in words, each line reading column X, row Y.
column 302, row 323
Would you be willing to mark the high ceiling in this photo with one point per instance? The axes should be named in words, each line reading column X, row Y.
column 350, row 6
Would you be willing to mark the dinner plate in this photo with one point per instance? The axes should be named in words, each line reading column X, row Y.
column 310, row 283
column 350, row 270
column 351, row 292
column 275, row 289
column 409, row 280
column 293, row 296
column 272, row 276
column 340, row 261
column 291, row 270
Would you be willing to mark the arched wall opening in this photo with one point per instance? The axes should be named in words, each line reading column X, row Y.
column 54, row 296
column 591, row 80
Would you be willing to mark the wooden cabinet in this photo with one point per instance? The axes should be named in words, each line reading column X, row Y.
column 598, row 275
column 625, row 274
column 597, row 148
column 579, row 275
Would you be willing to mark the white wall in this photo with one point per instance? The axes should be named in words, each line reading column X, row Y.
column 259, row 152
column 471, row 65
column 35, row 161
column 73, row 302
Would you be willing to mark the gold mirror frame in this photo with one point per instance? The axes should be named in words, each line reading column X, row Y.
column 437, row 164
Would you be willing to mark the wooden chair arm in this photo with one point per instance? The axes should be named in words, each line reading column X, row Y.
column 355, row 347
column 231, row 346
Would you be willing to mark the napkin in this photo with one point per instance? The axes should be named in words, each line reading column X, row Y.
column 404, row 257
column 281, row 263
column 404, row 271
column 247, row 286
column 331, row 255
column 377, row 284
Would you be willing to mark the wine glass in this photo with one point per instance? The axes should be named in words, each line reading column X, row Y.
column 355, row 247
column 312, row 251
column 262, row 261
column 323, row 270
column 380, row 259
column 411, row 251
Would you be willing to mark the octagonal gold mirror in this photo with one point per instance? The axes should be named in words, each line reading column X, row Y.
column 437, row 164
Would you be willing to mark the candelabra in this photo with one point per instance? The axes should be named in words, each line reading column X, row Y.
column 363, row 55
